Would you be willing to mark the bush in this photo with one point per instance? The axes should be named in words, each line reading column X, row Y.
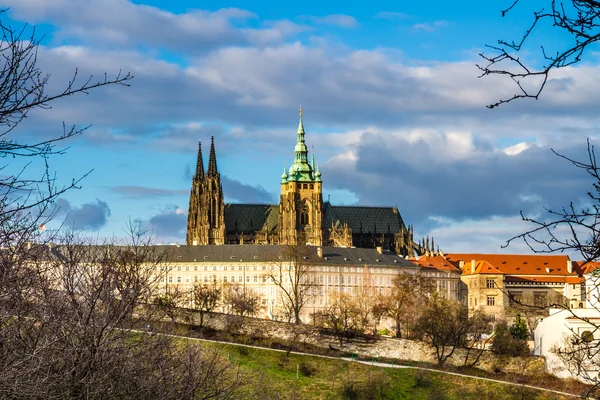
column 350, row 390
column 383, row 332
column 307, row 369
column 519, row 329
column 243, row 351
column 505, row 344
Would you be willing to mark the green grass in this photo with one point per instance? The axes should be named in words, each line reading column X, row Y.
column 273, row 375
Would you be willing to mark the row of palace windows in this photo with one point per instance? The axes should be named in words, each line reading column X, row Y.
column 335, row 279
column 377, row 270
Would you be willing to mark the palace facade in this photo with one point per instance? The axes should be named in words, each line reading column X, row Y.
column 301, row 217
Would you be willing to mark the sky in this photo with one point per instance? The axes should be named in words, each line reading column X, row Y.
column 390, row 92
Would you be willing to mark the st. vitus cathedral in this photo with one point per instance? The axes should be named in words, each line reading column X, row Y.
column 300, row 217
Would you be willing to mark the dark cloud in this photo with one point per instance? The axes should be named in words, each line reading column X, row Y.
column 236, row 191
column 481, row 183
column 169, row 224
column 87, row 217
column 132, row 192
column 243, row 193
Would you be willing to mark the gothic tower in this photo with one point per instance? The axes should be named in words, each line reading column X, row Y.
column 206, row 215
column 301, row 202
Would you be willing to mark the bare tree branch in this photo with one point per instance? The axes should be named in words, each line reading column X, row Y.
column 580, row 19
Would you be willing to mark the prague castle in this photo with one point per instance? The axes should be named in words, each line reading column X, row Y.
column 301, row 217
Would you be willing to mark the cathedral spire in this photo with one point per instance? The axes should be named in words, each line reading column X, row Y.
column 300, row 128
column 212, row 161
column 199, row 163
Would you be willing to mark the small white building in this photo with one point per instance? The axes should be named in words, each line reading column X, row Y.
column 568, row 329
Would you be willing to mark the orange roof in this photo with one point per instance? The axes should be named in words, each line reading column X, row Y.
column 586, row 266
column 517, row 264
column 544, row 278
column 481, row 267
column 434, row 262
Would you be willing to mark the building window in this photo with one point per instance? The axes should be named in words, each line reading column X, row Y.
column 491, row 300
column 515, row 297
column 489, row 283
column 225, row 279
column 205, row 279
column 178, row 279
column 195, row 268
column 170, row 279
column 179, row 268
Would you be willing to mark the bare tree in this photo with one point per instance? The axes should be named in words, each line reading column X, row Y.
column 25, row 200
column 67, row 330
column 294, row 277
column 579, row 20
column 205, row 299
column 342, row 317
column 241, row 301
column 572, row 227
column 444, row 324
column 410, row 291
column 480, row 333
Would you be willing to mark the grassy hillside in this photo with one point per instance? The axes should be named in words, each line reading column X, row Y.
column 273, row 375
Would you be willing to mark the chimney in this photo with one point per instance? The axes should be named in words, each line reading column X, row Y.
column 379, row 249
column 570, row 266
column 472, row 266
column 461, row 264
column 320, row 251
column 548, row 270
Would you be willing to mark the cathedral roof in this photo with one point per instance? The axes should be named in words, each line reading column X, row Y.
column 251, row 217
column 265, row 217
column 364, row 219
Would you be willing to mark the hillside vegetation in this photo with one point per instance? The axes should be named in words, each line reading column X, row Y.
column 275, row 375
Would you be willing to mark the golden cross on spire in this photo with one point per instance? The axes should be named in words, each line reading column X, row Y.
column 300, row 111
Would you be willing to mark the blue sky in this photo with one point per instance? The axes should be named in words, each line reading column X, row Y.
column 391, row 97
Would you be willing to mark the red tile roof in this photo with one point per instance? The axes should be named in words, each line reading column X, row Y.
column 435, row 262
column 586, row 266
column 516, row 264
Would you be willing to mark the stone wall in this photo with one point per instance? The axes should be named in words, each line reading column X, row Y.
column 387, row 348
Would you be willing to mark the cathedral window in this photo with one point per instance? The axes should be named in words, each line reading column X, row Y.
column 304, row 220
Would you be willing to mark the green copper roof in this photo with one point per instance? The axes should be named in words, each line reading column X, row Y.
column 301, row 170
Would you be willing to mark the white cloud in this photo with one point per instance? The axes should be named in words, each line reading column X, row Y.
column 122, row 23
column 517, row 148
column 430, row 26
column 341, row 20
